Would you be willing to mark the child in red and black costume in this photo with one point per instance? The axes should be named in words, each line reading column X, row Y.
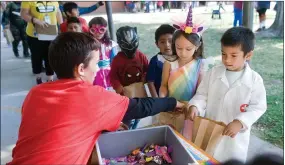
column 130, row 65
column 71, row 10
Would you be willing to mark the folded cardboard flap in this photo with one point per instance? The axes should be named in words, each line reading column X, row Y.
column 50, row 30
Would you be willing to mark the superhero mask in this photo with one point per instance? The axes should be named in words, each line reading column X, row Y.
column 128, row 40
column 133, row 73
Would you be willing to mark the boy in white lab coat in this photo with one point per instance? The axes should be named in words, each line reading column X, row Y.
column 232, row 93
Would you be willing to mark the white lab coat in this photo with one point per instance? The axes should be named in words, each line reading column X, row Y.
column 216, row 100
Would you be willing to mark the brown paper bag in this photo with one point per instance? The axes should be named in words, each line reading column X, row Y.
column 46, row 34
column 135, row 90
column 50, row 30
column 207, row 134
column 93, row 159
column 8, row 35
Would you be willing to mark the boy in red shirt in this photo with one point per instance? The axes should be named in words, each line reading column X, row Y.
column 71, row 10
column 73, row 25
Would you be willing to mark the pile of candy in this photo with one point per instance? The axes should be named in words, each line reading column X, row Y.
column 149, row 154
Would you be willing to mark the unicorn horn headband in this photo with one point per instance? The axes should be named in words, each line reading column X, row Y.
column 188, row 27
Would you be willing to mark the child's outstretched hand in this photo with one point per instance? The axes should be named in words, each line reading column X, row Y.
column 179, row 106
column 192, row 112
column 233, row 128
column 101, row 3
column 123, row 127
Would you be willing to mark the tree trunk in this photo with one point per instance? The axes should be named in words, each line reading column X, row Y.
column 247, row 14
column 277, row 28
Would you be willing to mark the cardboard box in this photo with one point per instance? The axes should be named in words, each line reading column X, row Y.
column 48, row 33
column 116, row 144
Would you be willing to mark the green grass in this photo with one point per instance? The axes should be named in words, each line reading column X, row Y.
column 267, row 61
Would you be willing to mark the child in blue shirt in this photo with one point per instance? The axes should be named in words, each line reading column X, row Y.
column 163, row 40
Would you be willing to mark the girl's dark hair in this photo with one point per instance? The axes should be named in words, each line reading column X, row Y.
column 69, row 50
column 193, row 38
column 101, row 21
column 162, row 30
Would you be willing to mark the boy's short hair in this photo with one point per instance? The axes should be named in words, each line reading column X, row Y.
column 73, row 20
column 163, row 29
column 239, row 36
column 68, row 6
column 69, row 50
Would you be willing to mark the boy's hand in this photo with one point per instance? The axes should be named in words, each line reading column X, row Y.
column 120, row 90
column 192, row 112
column 233, row 128
column 123, row 127
column 179, row 106
column 101, row 3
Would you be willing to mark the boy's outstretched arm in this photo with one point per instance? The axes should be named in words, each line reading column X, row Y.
column 86, row 10
column 257, row 105
column 163, row 91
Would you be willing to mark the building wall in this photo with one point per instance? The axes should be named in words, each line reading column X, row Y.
column 116, row 6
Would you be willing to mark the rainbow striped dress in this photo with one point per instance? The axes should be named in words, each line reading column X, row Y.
column 183, row 81
column 182, row 85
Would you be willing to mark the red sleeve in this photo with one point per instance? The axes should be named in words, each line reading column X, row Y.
column 84, row 25
column 63, row 27
column 114, row 109
column 114, row 73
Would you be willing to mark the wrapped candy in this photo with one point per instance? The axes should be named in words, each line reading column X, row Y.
column 158, row 150
column 136, row 151
column 149, row 154
column 142, row 161
column 144, row 148
column 121, row 159
column 131, row 158
column 157, row 159
column 151, row 146
column 148, row 159
column 169, row 149
column 165, row 154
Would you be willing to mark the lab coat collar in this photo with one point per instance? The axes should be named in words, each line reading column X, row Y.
column 245, row 79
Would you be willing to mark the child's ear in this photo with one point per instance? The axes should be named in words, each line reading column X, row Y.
column 249, row 55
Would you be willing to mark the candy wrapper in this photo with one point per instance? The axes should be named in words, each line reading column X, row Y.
column 149, row 154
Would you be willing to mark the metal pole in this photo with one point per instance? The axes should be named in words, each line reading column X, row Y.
column 108, row 5
column 248, row 14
